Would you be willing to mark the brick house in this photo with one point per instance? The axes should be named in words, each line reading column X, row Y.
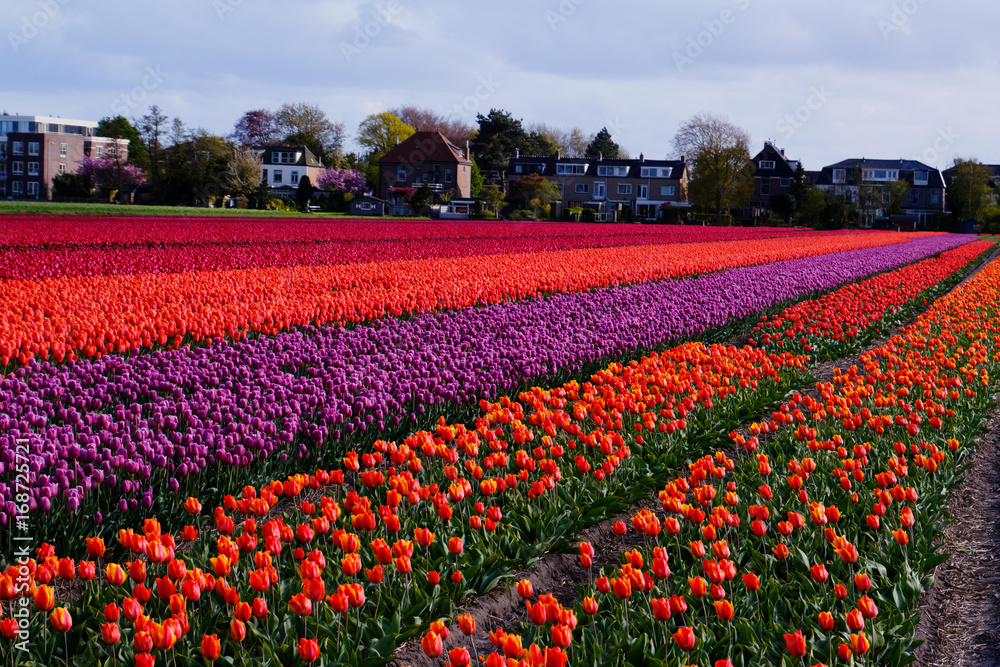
column 925, row 198
column 36, row 149
column 426, row 158
column 642, row 185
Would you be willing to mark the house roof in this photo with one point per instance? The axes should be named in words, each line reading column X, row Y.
column 306, row 158
column 905, row 168
column 546, row 166
column 783, row 167
column 426, row 146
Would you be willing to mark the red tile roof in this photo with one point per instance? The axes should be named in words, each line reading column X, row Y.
column 424, row 147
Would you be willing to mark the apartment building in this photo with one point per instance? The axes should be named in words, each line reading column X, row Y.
column 36, row 149
column 641, row 185
column 926, row 185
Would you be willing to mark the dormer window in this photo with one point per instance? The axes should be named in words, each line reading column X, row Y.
column 839, row 175
column 612, row 171
column 571, row 168
column 767, row 164
column 920, row 177
column 655, row 172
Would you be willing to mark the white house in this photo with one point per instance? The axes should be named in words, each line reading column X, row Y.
column 284, row 166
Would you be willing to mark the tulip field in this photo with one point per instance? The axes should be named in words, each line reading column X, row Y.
column 266, row 442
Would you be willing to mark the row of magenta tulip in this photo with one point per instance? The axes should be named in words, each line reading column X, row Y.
column 518, row 506
column 66, row 318
column 111, row 435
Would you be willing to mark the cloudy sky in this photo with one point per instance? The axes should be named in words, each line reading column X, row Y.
column 826, row 80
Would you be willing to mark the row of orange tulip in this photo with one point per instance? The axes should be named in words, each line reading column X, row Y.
column 71, row 317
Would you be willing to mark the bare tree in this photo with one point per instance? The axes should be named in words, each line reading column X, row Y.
column 244, row 171
column 719, row 154
column 426, row 120
column 572, row 143
column 307, row 124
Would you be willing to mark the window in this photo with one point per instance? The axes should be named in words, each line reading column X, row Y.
column 63, row 148
column 401, row 175
column 32, row 188
column 33, row 148
column 425, row 177
column 914, row 196
column 600, row 190
column 767, row 164
column 100, row 149
column 3, row 172
column 920, row 177
column 447, row 175
column 785, row 182
column 936, row 197
column 62, row 167
column 612, row 171
column 295, row 178
column 624, row 188
column 765, row 187
column 582, row 188
column 18, row 148
column 839, row 175
column 277, row 176
column 263, row 175
column 643, row 192
column 518, row 169
column 886, row 196
column 17, row 188
column 17, row 168
column 880, row 175
column 284, row 157
column 366, row 206
column 571, row 168
column 32, row 169
column 666, row 191
column 654, row 172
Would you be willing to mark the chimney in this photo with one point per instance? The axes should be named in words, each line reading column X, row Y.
column 558, row 153
column 468, row 152
column 642, row 157
column 682, row 158
column 517, row 152
column 600, row 156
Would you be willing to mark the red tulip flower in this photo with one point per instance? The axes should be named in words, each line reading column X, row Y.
column 795, row 644
column 684, row 637
column 308, row 650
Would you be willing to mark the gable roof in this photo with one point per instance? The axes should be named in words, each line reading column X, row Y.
column 783, row 167
column 426, row 146
column 306, row 159
column 905, row 168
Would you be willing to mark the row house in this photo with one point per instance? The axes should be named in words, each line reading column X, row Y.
column 926, row 185
column 426, row 158
column 644, row 186
column 36, row 149
column 282, row 167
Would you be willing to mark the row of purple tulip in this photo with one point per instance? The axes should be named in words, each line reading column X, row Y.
column 130, row 426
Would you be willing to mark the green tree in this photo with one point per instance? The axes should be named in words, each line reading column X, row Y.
column 379, row 132
column 799, row 187
column 968, row 184
column 493, row 197
column 602, row 145
column 71, row 186
column 196, row 168
column 500, row 135
column 898, row 195
column 535, row 192
column 422, row 198
column 475, row 180
column 721, row 168
column 119, row 127
column 304, row 193
column 784, row 205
